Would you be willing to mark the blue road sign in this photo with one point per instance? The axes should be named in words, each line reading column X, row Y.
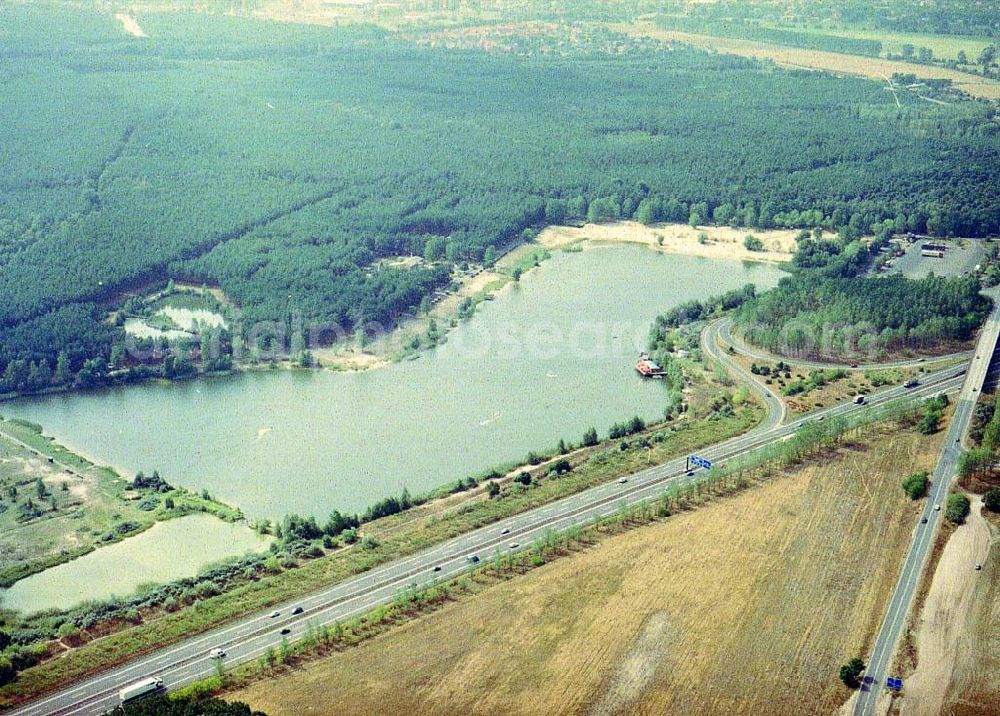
column 701, row 462
column 894, row 683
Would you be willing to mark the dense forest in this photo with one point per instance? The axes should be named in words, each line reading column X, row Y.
column 826, row 309
column 817, row 316
column 283, row 162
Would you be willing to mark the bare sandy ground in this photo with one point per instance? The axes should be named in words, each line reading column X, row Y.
column 723, row 242
column 130, row 25
column 943, row 619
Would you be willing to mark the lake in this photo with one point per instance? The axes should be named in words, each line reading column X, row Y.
column 548, row 358
column 165, row 552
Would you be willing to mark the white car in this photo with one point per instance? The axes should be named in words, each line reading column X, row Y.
column 622, row 480
column 514, row 545
column 216, row 653
column 937, row 508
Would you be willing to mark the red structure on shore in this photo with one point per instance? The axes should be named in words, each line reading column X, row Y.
column 647, row 367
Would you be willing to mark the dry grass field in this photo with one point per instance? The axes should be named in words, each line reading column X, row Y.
column 748, row 605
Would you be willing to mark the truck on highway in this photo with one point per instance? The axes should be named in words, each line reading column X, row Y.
column 147, row 686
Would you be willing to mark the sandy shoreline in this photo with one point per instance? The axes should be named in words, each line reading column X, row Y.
column 711, row 242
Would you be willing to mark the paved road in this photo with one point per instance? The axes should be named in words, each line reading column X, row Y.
column 776, row 409
column 724, row 328
column 247, row 638
column 923, row 537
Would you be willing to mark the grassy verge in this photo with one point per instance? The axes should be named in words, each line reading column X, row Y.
column 159, row 628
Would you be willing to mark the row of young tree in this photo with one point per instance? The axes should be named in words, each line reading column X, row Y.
column 292, row 206
column 747, row 30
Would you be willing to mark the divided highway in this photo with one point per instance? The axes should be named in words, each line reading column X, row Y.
column 923, row 537
column 252, row 636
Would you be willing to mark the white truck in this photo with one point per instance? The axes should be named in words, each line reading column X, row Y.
column 141, row 688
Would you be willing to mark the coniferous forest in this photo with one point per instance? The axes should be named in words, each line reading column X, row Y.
column 282, row 162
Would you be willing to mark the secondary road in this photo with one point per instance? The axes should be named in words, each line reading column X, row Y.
column 253, row 635
column 923, row 537
column 776, row 411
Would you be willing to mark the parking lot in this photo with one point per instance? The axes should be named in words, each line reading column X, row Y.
column 961, row 256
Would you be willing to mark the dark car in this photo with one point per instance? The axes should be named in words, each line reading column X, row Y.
column 285, row 631
column 437, row 567
column 923, row 520
column 297, row 610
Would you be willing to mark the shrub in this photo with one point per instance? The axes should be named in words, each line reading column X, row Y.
column 153, row 482
column 7, row 671
column 915, row 485
column 850, row 672
column 350, row 535
column 992, row 499
column 957, row 508
column 930, row 423
column 562, row 466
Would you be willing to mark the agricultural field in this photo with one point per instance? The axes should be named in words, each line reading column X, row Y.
column 944, row 47
column 794, row 57
column 56, row 505
column 727, row 608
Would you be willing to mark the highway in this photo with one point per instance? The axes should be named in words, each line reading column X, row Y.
column 923, row 536
column 250, row 637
